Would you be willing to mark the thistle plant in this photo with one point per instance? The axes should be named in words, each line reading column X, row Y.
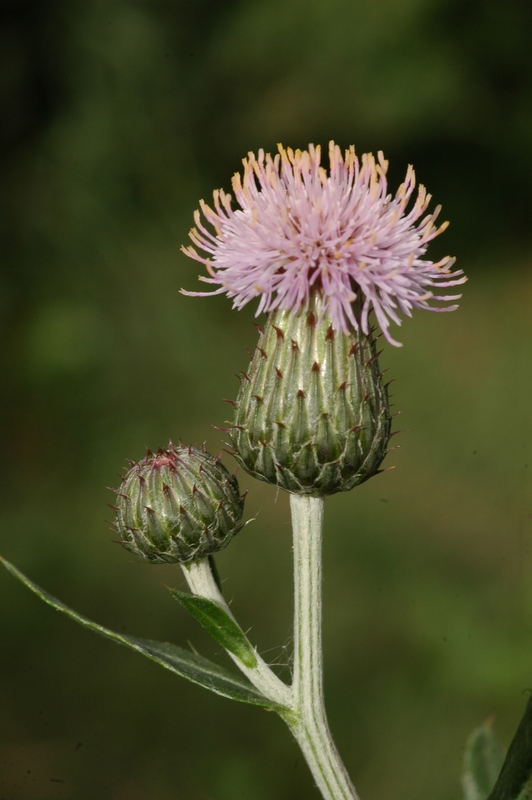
column 333, row 259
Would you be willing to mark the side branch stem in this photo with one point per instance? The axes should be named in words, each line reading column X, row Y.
column 201, row 582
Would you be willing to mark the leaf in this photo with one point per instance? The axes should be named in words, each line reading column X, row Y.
column 219, row 625
column 483, row 760
column 188, row 665
column 515, row 779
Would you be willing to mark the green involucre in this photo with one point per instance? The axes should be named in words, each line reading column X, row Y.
column 178, row 505
column 312, row 414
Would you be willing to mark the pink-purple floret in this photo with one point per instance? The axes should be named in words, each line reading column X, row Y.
column 300, row 229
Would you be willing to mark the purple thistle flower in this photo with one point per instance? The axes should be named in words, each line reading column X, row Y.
column 300, row 230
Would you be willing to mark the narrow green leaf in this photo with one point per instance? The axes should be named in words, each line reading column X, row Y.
column 219, row 625
column 515, row 779
column 194, row 668
column 483, row 760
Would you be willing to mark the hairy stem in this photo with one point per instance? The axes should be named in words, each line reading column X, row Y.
column 304, row 709
column 311, row 729
column 201, row 582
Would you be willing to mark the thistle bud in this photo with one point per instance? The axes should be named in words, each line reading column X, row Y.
column 312, row 414
column 178, row 505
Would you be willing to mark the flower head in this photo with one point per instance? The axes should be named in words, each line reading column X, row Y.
column 300, row 230
column 177, row 505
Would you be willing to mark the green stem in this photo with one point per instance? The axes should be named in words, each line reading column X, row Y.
column 311, row 729
column 303, row 701
column 201, row 582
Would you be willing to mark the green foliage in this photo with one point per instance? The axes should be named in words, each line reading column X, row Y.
column 515, row 779
column 483, row 760
column 191, row 666
column 488, row 775
column 219, row 625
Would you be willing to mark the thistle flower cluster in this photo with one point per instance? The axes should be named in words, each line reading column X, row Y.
column 322, row 250
column 301, row 230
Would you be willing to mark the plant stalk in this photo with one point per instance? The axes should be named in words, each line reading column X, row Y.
column 310, row 727
column 201, row 582
column 304, row 709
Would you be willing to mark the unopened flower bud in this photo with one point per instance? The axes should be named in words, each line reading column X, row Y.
column 178, row 505
column 312, row 414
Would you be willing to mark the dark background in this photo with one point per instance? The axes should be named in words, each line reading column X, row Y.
column 116, row 118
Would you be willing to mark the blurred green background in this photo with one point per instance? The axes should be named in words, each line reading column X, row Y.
column 116, row 118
